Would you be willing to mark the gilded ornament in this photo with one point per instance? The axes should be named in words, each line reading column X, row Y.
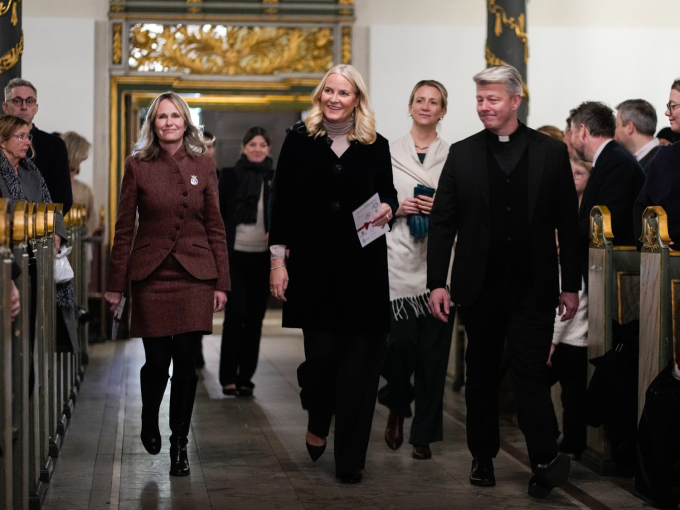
column 346, row 12
column 10, row 59
column 651, row 236
column 493, row 60
column 346, row 45
column 117, row 54
column 194, row 10
column 597, row 234
column 117, row 8
column 5, row 7
column 228, row 50
column 516, row 24
column 271, row 11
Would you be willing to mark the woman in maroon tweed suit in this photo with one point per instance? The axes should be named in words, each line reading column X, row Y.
column 177, row 265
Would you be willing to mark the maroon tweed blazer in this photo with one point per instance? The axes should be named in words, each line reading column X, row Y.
column 179, row 213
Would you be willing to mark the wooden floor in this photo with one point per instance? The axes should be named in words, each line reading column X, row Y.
column 250, row 453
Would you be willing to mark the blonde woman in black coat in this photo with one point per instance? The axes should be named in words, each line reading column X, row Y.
column 332, row 288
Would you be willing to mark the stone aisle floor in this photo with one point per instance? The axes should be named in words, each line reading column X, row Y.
column 250, row 453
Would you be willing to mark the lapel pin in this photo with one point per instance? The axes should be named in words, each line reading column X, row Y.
column 194, row 180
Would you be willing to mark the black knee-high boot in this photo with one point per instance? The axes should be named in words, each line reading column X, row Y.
column 182, row 395
column 153, row 388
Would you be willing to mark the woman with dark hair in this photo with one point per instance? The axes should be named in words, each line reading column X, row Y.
column 176, row 261
column 244, row 191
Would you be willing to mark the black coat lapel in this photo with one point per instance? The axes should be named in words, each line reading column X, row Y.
column 479, row 150
column 536, row 166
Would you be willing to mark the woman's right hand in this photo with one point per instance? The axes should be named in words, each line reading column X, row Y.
column 113, row 299
column 408, row 206
column 278, row 280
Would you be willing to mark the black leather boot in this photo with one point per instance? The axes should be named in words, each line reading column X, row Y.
column 182, row 395
column 153, row 388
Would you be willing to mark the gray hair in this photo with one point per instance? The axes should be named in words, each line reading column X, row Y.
column 18, row 82
column 640, row 113
column 501, row 74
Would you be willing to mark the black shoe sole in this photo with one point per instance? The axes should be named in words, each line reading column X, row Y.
column 230, row 393
column 558, row 470
column 483, row 483
column 350, row 479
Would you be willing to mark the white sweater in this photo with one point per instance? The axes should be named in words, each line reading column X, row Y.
column 575, row 331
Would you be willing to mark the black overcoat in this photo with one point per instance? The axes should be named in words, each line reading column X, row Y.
column 51, row 158
column 461, row 207
column 335, row 284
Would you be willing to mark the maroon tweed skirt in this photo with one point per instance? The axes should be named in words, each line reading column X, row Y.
column 170, row 301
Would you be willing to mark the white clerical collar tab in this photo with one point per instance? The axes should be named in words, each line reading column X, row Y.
column 503, row 138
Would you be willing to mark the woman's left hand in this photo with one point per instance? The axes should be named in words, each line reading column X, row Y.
column 383, row 216
column 57, row 242
column 425, row 204
column 219, row 301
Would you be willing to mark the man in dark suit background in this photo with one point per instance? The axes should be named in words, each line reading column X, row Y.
column 504, row 192
column 635, row 128
column 51, row 158
column 615, row 180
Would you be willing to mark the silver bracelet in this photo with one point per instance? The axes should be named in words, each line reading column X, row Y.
column 282, row 265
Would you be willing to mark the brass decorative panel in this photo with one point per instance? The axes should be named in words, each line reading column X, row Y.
column 230, row 50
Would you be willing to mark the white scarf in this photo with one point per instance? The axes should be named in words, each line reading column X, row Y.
column 407, row 257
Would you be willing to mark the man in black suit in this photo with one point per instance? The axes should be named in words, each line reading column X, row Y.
column 51, row 158
column 635, row 128
column 504, row 192
column 615, row 180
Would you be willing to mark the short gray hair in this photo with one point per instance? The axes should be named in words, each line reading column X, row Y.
column 18, row 82
column 640, row 113
column 501, row 74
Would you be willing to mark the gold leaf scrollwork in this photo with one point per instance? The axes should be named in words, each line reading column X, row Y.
column 346, row 12
column 651, row 235
column 493, row 60
column 515, row 24
column 346, row 45
column 117, row 8
column 10, row 59
column 117, row 54
column 597, row 234
column 5, row 7
column 222, row 50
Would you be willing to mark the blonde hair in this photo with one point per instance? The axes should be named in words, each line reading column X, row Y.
column 148, row 146
column 431, row 83
column 364, row 120
column 77, row 149
column 9, row 124
column 552, row 131
column 588, row 166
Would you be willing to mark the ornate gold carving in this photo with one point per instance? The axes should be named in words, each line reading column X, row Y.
column 117, row 54
column 117, row 8
column 650, row 238
column 218, row 49
column 10, row 59
column 597, row 234
column 6, row 7
column 194, row 10
column 516, row 24
column 346, row 45
column 493, row 60
column 346, row 12
column 271, row 11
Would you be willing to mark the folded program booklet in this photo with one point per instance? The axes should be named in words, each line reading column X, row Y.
column 366, row 230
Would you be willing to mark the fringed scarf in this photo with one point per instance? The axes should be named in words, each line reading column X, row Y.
column 65, row 296
column 407, row 256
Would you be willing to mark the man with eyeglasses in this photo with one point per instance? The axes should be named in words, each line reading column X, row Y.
column 662, row 186
column 51, row 157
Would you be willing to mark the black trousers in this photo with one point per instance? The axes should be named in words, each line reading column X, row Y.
column 340, row 376
column 243, row 316
column 180, row 349
column 418, row 347
column 570, row 365
column 503, row 311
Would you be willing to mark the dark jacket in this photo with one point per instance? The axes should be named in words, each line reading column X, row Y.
column 646, row 162
column 229, row 183
column 615, row 182
column 335, row 284
column 51, row 159
column 462, row 208
column 662, row 187
column 176, row 197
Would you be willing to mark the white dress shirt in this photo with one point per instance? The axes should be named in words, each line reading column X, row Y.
column 646, row 148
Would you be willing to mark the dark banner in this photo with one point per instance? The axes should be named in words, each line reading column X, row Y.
column 506, row 41
column 11, row 42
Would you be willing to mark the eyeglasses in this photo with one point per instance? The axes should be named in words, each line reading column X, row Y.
column 671, row 106
column 18, row 101
column 24, row 138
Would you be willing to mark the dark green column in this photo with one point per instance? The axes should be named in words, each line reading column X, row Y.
column 11, row 42
column 506, row 41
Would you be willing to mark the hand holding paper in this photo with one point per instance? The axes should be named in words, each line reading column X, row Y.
column 364, row 220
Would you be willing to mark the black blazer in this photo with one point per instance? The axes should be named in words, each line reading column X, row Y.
column 646, row 162
column 615, row 181
column 51, row 158
column 461, row 207
column 335, row 284
column 662, row 187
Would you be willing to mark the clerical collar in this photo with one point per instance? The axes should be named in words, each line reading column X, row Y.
column 521, row 128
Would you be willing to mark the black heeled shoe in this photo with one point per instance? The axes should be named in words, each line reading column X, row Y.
column 315, row 451
column 153, row 388
column 351, row 478
column 179, row 463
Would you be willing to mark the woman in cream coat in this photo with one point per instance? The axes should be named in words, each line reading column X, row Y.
column 418, row 344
